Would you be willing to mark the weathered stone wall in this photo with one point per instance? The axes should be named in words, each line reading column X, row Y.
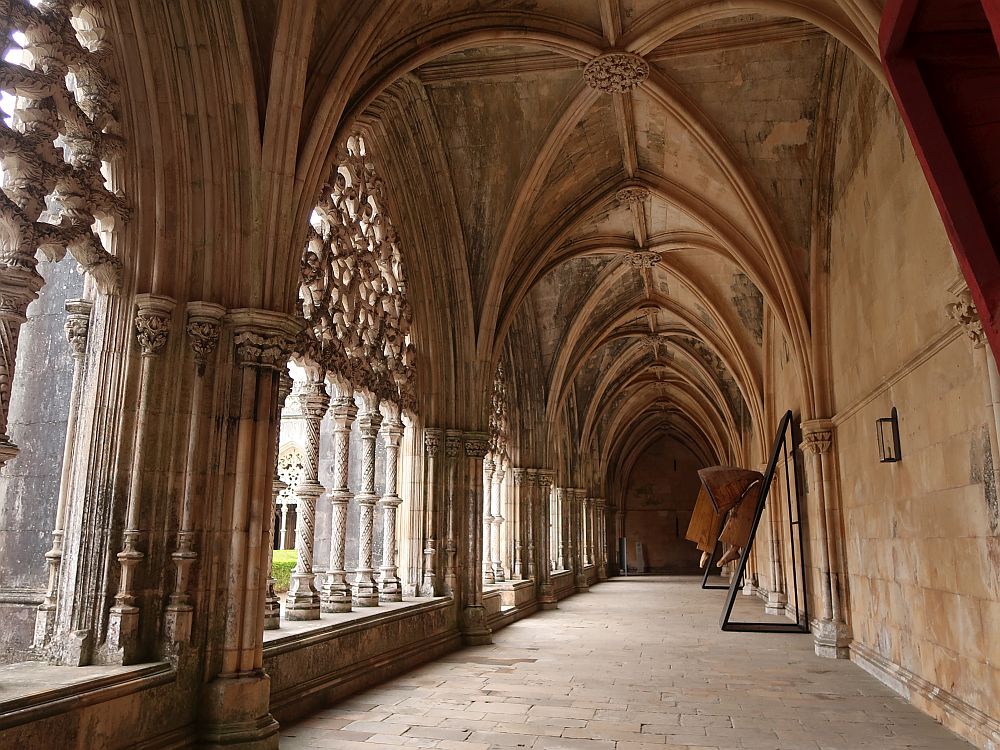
column 922, row 545
column 29, row 485
column 659, row 500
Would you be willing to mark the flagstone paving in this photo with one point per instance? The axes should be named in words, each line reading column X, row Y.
column 635, row 664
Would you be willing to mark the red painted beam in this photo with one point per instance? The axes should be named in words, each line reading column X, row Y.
column 960, row 185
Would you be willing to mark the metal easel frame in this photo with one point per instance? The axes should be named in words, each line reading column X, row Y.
column 782, row 448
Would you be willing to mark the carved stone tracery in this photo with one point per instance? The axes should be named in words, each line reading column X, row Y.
column 53, row 195
column 352, row 285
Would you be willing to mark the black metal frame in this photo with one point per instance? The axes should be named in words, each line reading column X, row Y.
column 781, row 447
column 708, row 571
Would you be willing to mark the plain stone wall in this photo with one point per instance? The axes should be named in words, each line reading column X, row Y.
column 29, row 484
column 922, row 544
column 659, row 499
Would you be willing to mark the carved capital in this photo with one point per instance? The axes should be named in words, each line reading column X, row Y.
column 520, row 476
column 546, row 478
column 432, row 441
column 152, row 322
column 817, row 435
column 204, row 324
column 453, row 443
column 263, row 338
column 312, row 398
column 616, row 72
column 477, row 444
column 77, row 325
column 963, row 311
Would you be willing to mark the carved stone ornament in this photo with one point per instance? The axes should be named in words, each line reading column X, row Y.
column 152, row 322
column 204, row 323
column 477, row 444
column 616, row 72
column 432, row 441
column 643, row 259
column 452, row 445
column 263, row 338
column 817, row 435
column 77, row 325
column 632, row 194
column 963, row 311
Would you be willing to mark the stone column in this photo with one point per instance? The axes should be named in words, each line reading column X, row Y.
column 776, row 599
column 546, row 594
column 578, row 519
column 489, row 468
column 152, row 327
column 454, row 459
column 204, row 322
column 235, row 701
column 390, row 587
column 564, row 501
column 529, row 502
column 475, row 630
column 520, row 501
column 365, row 586
column 302, row 601
column 496, row 523
column 602, row 539
column 831, row 632
column 289, row 523
column 77, row 328
column 272, row 604
column 429, row 580
column 336, row 594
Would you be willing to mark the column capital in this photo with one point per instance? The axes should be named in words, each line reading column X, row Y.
column 393, row 431
column 77, row 326
column 263, row 338
column 453, row 442
column 343, row 410
column 369, row 423
column 313, row 400
column 152, row 322
column 432, row 441
column 531, row 477
column 477, row 444
column 817, row 435
column 519, row 475
column 204, row 323
column 546, row 477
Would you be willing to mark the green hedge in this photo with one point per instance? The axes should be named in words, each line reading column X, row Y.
column 282, row 563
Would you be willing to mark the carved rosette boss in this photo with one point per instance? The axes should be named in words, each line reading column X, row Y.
column 616, row 72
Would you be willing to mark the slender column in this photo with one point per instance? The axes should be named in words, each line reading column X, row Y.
column 601, row 547
column 519, row 501
column 776, row 597
column 336, row 594
column 290, row 523
column 578, row 518
column 546, row 594
column 496, row 523
column 432, row 444
column 272, row 604
column 302, row 601
column 204, row 322
column 529, row 500
column 453, row 463
column 475, row 629
column 564, row 500
column 489, row 468
column 77, row 328
column 390, row 587
column 589, row 517
column 152, row 327
column 365, row 586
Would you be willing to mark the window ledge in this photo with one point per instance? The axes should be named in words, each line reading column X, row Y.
column 30, row 691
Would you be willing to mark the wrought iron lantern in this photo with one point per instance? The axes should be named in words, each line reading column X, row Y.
column 887, row 431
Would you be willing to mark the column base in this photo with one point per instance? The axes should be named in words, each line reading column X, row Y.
column 45, row 619
column 499, row 574
column 122, row 644
column 426, row 587
column 390, row 588
column 302, row 601
column 177, row 622
column 365, row 592
column 488, row 577
column 546, row 597
column 580, row 581
column 831, row 639
column 475, row 631
column 775, row 604
column 235, row 713
column 602, row 573
column 335, row 597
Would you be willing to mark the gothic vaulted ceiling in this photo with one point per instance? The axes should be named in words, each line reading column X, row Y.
column 636, row 218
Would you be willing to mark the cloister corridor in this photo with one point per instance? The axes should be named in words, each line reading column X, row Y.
column 635, row 664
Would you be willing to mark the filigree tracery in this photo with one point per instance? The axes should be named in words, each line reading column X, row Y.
column 352, row 285
column 57, row 135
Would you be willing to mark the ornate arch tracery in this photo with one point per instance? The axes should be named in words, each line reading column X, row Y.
column 58, row 137
column 352, row 288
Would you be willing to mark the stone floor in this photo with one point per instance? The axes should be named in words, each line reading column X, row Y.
column 635, row 664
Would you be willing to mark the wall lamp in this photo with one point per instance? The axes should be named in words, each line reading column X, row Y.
column 887, row 430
